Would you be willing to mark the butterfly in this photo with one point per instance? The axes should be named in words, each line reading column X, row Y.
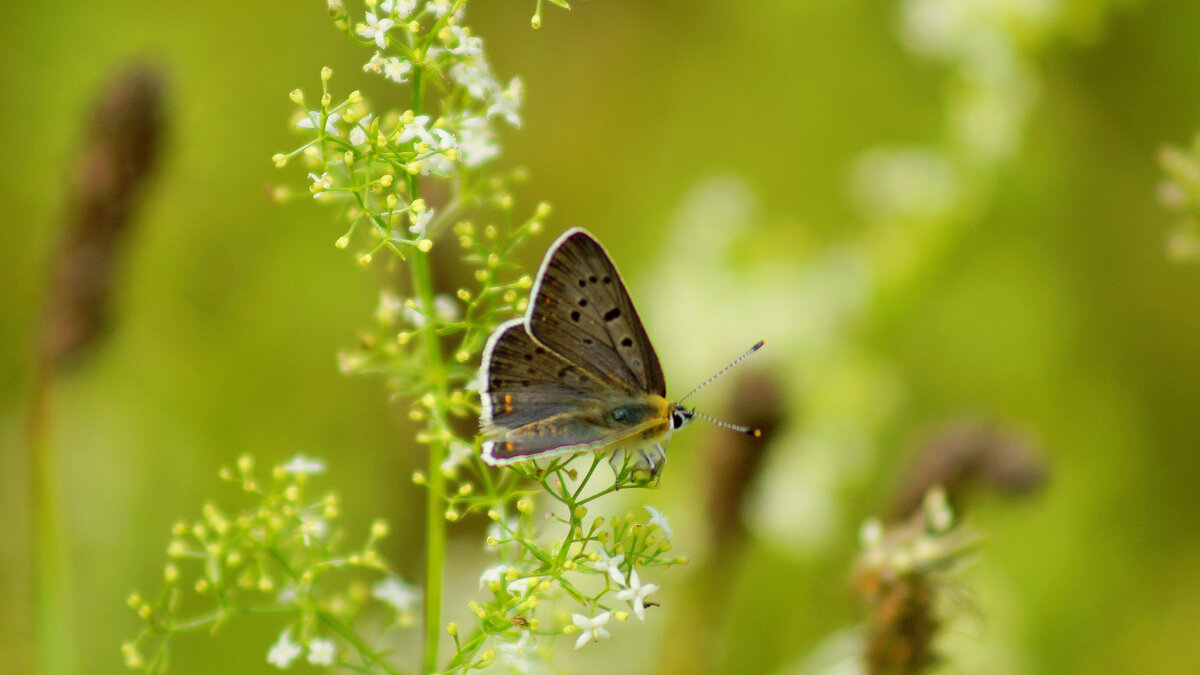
column 578, row 373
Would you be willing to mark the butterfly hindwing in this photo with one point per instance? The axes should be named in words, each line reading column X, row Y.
column 582, row 311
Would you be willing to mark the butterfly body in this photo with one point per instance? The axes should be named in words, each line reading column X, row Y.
column 578, row 372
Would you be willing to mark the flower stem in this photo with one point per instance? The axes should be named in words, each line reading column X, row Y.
column 435, row 522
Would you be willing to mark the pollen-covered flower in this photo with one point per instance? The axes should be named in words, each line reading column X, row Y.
column 636, row 594
column 376, row 29
column 660, row 520
column 592, row 627
column 393, row 68
column 284, row 651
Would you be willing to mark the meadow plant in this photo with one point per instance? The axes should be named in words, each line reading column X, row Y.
column 403, row 182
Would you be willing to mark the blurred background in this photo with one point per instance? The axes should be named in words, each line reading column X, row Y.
column 940, row 214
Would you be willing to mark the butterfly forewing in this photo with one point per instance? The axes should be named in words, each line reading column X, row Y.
column 582, row 311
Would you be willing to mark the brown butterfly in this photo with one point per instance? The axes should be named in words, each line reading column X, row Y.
column 577, row 372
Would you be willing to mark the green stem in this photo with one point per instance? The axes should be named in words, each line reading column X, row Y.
column 435, row 522
column 52, row 639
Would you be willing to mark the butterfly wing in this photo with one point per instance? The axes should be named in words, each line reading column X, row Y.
column 582, row 311
column 536, row 403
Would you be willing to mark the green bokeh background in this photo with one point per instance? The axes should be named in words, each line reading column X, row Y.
column 1053, row 308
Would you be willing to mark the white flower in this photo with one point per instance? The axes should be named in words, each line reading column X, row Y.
column 416, row 129
column 507, row 103
column 445, row 308
column 459, row 452
column 313, row 120
column 402, row 597
column 284, row 651
column 414, row 317
column 401, row 8
column 303, row 466
column 358, row 135
column 492, row 574
column 476, row 77
column 422, row 223
column 397, row 70
column 660, row 520
column 313, row 528
column 476, row 141
column 320, row 183
column 439, row 7
column 376, row 29
column 592, row 627
column 321, row 652
column 515, row 652
column 520, row 586
column 636, row 594
column 611, row 566
column 390, row 306
column 467, row 44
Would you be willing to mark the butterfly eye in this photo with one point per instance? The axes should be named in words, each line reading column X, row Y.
column 680, row 419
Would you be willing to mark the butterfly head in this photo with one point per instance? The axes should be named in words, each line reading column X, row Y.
column 681, row 417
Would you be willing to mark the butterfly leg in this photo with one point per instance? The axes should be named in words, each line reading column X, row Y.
column 641, row 465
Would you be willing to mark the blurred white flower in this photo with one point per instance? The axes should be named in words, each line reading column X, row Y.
column 284, row 651
column 302, row 465
column 358, row 134
column 507, row 103
column 660, row 520
column 321, row 652
column 400, row 8
column 459, row 452
column 399, row 595
column 476, row 141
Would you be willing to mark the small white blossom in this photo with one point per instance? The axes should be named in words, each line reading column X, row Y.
column 492, row 574
column 313, row 120
column 507, row 103
column 284, row 651
column 636, row 594
column 402, row 597
column 438, row 7
column 515, row 652
column 389, row 308
column 348, row 363
column 459, row 452
column 520, row 586
column 445, row 308
column 358, row 135
column 400, row 8
column 320, row 183
column 416, row 130
column 421, row 225
column 592, row 627
column 300, row 465
column 321, row 652
column 376, row 29
column 313, row 528
column 611, row 566
column 468, row 45
column 476, row 142
column 476, row 77
column 660, row 520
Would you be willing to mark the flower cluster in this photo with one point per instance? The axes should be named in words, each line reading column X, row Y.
column 592, row 569
column 284, row 551
column 902, row 573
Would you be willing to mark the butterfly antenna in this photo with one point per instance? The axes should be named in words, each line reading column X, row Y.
column 749, row 431
column 724, row 370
